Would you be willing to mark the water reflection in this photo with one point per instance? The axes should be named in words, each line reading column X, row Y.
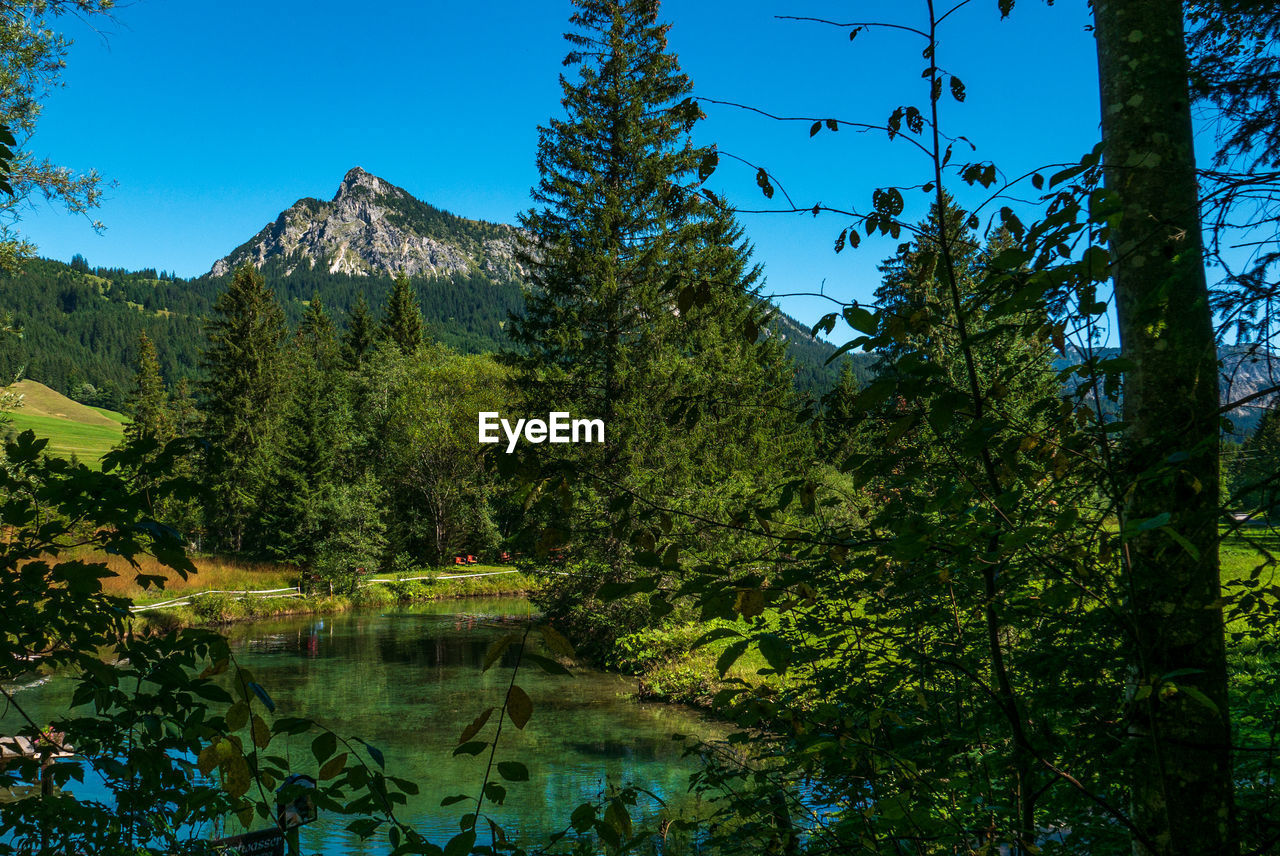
column 409, row 681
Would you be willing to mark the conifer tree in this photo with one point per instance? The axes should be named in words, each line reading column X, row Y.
column 360, row 333
column 242, row 396
column 151, row 418
column 402, row 323
column 641, row 308
column 182, row 407
column 311, row 440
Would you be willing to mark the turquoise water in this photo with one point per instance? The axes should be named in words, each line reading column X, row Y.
column 409, row 680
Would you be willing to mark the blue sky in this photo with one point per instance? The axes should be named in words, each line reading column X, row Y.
column 213, row 117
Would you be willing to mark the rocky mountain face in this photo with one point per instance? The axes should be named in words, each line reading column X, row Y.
column 1247, row 371
column 372, row 227
column 1244, row 371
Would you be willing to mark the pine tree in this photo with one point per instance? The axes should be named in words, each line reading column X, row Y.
column 641, row 308
column 361, row 331
column 311, row 442
column 402, row 324
column 182, row 406
column 613, row 208
column 151, row 419
column 839, row 414
column 243, row 401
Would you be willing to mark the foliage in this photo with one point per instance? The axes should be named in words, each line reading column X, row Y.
column 176, row 745
column 242, row 402
column 402, row 320
column 642, row 311
column 1011, row 641
column 422, row 410
column 32, row 56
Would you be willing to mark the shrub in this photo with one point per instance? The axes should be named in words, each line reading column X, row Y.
column 215, row 607
column 374, row 595
column 404, row 590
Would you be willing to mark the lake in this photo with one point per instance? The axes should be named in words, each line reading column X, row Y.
column 408, row 680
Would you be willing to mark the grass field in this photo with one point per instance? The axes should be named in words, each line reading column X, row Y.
column 71, row 428
column 212, row 573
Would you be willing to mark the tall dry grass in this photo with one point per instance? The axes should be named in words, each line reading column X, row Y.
column 212, row 573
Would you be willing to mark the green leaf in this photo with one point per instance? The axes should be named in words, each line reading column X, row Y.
column 461, row 844
column 775, row 651
column 476, row 724
column 616, row 815
column 519, row 706
column 474, row 747
column 583, row 817
column 453, row 800
column 714, row 635
column 1182, row 542
column 1197, row 695
column 730, row 656
column 324, row 746
column 861, row 319
column 551, row 667
column 333, row 767
column 495, row 650
column 237, row 716
column 556, row 642
column 513, row 771
column 261, row 733
column 291, row 725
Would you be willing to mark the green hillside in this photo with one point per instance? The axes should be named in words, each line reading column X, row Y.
column 80, row 327
column 71, row 428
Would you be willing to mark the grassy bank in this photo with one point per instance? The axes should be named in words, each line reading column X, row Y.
column 668, row 668
column 212, row 610
column 227, row 579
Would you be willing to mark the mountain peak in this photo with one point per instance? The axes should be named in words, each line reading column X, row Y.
column 372, row 227
column 355, row 178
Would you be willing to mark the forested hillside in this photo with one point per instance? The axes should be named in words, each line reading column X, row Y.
column 80, row 327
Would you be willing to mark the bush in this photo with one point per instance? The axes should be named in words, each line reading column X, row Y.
column 404, row 590
column 570, row 601
column 637, row 652
column 215, row 607
column 374, row 595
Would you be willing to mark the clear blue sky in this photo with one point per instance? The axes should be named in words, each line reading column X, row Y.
column 214, row 117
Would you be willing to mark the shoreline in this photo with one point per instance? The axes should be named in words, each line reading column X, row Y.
column 225, row 610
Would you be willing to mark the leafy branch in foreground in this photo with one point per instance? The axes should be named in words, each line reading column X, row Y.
column 144, row 718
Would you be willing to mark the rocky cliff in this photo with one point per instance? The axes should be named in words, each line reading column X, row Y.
column 372, row 227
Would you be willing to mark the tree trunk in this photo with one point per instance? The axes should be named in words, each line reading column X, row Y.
column 1180, row 738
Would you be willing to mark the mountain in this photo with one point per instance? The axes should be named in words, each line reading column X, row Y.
column 1248, row 373
column 372, row 227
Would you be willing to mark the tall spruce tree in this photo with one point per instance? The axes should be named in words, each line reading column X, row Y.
column 243, row 402
column 641, row 308
column 360, row 334
column 312, row 440
column 149, row 402
column 402, row 322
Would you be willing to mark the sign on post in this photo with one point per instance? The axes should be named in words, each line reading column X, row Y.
column 265, row 842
